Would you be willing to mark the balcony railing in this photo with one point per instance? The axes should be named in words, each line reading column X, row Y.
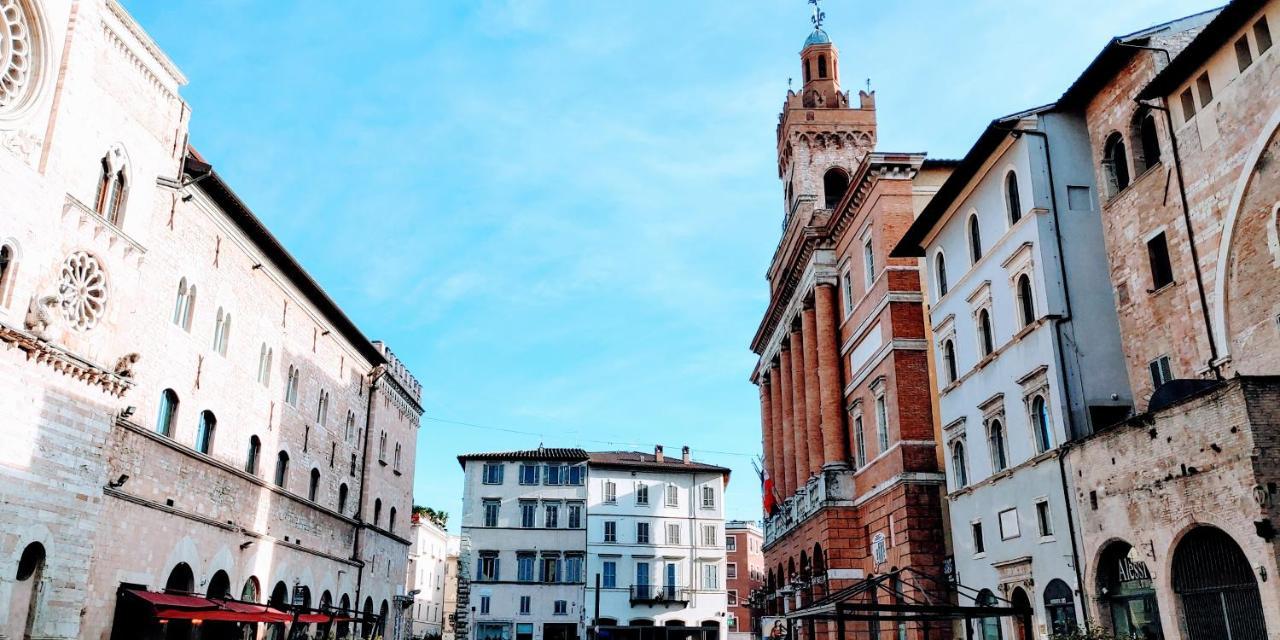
column 649, row 593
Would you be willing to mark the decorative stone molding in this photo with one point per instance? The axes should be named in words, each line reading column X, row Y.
column 116, row 241
column 65, row 362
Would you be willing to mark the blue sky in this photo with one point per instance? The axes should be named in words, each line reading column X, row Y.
column 560, row 213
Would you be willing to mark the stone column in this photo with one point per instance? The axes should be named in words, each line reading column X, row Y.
column 777, row 470
column 788, row 442
column 766, row 424
column 830, row 391
column 812, row 419
column 799, row 430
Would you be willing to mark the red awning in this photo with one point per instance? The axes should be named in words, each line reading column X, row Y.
column 174, row 601
column 171, row 606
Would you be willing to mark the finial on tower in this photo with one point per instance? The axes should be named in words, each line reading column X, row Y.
column 818, row 14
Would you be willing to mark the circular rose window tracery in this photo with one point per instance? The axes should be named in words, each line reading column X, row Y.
column 83, row 290
column 19, row 53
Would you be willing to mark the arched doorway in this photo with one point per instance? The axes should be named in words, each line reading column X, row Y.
column 279, row 600
column 383, row 613
column 1022, row 626
column 181, row 580
column 1216, row 587
column 988, row 628
column 1128, row 598
column 25, row 598
column 1059, row 607
column 366, row 629
column 250, row 592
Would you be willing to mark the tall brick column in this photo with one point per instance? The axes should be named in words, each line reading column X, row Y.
column 788, row 442
column 766, row 424
column 812, row 419
column 799, row 430
column 777, row 471
column 834, row 449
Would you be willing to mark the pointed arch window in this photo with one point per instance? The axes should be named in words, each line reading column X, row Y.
column 282, row 469
column 940, row 274
column 391, row 520
column 377, row 511
column 1150, row 139
column 1026, row 301
column 255, row 452
column 221, row 331
column 351, row 425
column 322, row 409
column 959, row 465
column 265, row 355
column 205, row 432
column 313, row 489
column 168, row 413
column 184, row 304
column 975, row 239
column 1012, row 198
column 291, row 387
column 113, row 187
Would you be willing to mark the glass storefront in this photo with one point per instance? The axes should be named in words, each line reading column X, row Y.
column 1128, row 594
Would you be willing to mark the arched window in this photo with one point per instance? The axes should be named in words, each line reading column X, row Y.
column 8, row 265
column 251, row 590
column 113, row 187
column 168, row 413
column 391, row 520
column 184, row 304
column 1040, row 423
column 834, row 183
column 291, row 387
column 986, row 335
column 975, row 239
column 322, row 408
column 949, row 360
column 25, row 592
column 264, row 365
column 342, row 498
column 1011, row 198
column 255, row 453
column 282, row 469
column 996, row 442
column 221, row 331
column 1115, row 163
column 219, row 586
column 822, row 66
column 1026, row 301
column 1216, row 583
column 181, row 579
column 377, row 511
column 940, row 274
column 959, row 466
column 313, row 489
column 808, row 74
column 351, row 425
column 1149, row 139
column 204, row 433
column 1060, row 608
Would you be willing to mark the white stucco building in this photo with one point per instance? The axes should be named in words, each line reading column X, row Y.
column 655, row 536
column 1027, row 348
column 523, row 545
column 428, row 560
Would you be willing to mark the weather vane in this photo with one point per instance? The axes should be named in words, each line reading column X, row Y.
column 818, row 14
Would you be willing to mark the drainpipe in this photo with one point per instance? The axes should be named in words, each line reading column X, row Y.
column 377, row 374
column 1067, row 497
column 1186, row 216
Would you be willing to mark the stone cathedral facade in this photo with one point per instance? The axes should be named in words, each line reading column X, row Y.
column 182, row 407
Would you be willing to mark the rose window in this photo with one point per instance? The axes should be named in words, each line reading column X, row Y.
column 18, row 52
column 83, row 290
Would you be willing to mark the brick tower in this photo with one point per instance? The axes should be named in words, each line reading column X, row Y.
column 843, row 377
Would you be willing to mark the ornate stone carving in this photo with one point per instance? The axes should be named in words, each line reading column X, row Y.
column 82, row 288
column 42, row 315
column 126, row 363
column 19, row 53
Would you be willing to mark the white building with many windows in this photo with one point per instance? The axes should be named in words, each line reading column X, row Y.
column 523, row 545
column 655, row 538
column 428, row 560
column 539, row 528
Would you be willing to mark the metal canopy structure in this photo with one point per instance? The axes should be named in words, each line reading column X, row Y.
column 906, row 598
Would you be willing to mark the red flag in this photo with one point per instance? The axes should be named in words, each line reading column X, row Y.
column 767, row 487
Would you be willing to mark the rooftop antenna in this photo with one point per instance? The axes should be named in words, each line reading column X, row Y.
column 818, row 14
column 788, row 84
column 868, row 85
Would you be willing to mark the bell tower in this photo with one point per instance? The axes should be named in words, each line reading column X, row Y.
column 822, row 137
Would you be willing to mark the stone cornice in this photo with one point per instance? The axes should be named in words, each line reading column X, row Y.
column 875, row 166
column 65, row 362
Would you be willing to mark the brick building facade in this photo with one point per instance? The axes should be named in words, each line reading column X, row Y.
column 744, row 574
column 185, row 408
column 847, row 424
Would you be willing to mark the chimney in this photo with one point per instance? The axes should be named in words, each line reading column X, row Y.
column 657, row 452
column 684, row 455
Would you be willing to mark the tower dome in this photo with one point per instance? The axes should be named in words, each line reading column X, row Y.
column 817, row 37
